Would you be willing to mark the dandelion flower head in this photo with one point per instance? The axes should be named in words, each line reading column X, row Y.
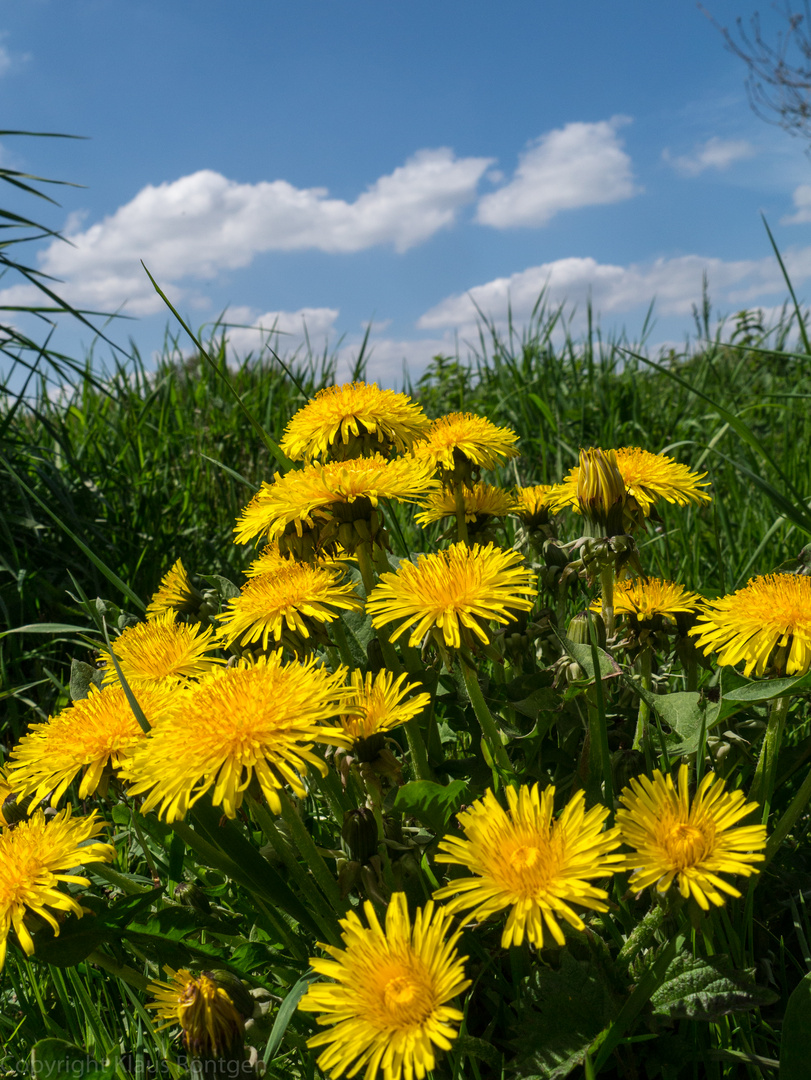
column 465, row 439
column 93, row 734
column 353, row 419
column 647, row 598
column 35, row 856
column 481, row 501
column 176, row 594
column 290, row 598
column 523, row 860
column 532, row 504
column 455, row 591
column 692, row 841
column 251, row 721
column 766, row 624
column 210, row 1023
column 388, row 1004
column 161, row 651
column 378, row 703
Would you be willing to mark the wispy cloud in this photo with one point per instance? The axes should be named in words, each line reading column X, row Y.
column 674, row 283
column 802, row 206
column 576, row 165
column 202, row 224
column 715, row 153
column 10, row 61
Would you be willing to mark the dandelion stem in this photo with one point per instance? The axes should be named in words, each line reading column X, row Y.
column 642, row 736
column 766, row 771
column 485, row 717
column 365, row 565
column 787, row 821
column 461, row 519
column 306, row 845
column 607, row 588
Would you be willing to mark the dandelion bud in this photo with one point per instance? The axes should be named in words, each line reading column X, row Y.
column 359, row 834
column 601, row 491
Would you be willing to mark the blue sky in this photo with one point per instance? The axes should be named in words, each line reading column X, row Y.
column 339, row 162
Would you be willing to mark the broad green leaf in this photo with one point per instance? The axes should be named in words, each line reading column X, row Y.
column 82, row 677
column 699, row 988
column 53, row 1058
column 285, row 1013
column 794, row 1053
column 432, row 804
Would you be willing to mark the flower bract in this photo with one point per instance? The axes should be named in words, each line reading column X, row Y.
column 388, row 1004
column 690, row 840
column 523, row 860
column 767, row 623
column 251, row 721
column 34, row 857
column 353, row 419
column 455, row 591
column 92, row 734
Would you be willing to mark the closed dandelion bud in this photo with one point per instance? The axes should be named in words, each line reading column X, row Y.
column 554, row 555
column 359, row 834
column 601, row 491
column 578, row 629
column 191, row 895
column 347, row 537
column 362, row 529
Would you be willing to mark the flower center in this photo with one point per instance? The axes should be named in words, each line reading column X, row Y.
column 524, row 857
column 407, row 1000
column 685, row 845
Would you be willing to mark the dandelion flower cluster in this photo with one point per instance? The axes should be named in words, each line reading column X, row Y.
column 523, row 860
column 388, row 1006
column 239, row 723
column 454, row 591
column 692, row 841
column 91, row 735
column 767, row 622
column 34, row 857
column 340, row 417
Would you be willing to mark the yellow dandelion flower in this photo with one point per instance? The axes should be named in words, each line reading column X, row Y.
column 309, row 496
column 6, row 792
column 647, row 478
column 765, row 624
column 34, row 856
column 465, row 439
column 525, row 861
column 239, row 723
column 351, row 420
column 290, row 597
column 482, row 501
column 271, row 559
column 175, row 595
column 92, row 735
column 647, row 598
column 210, row 1022
column 532, row 504
column 161, row 651
column 458, row 591
column 378, row 703
column 388, row 1005
column 693, row 842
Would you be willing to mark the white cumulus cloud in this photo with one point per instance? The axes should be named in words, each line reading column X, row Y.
column 674, row 283
column 802, row 207
column 577, row 165
column 285, row 331
column 204, row 223
column 715, row 153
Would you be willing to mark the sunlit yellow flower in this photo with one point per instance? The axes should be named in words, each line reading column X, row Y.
column 459, row 441
column 206, row 1014
column 647, row 598
column 90, row 736
column 378, row 703
column 523, row 860
column 647, row 478
column 176, row 594
column 160, row 652
column 6, row 791
column 481, row 501
column 353, row 420
column 532, row 504
column 765, row 624
column 34, row 856
column 388, row 1006
column 310, row 496
column 458, row 590
column 693, row 842
column 290, row 597
column 271, row 559
column 239, row 723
